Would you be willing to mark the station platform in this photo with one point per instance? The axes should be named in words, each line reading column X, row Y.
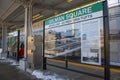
column 56, row 71
column 79, row 71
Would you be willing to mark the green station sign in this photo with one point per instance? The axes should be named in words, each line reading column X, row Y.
column 76, row 13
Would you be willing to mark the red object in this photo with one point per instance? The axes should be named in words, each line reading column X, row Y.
column 21, row 54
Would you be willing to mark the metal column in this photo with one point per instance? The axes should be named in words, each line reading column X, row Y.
column 4, row 40
column 106, row 42
column 24, row 62
column 18, row 45
column 30, row 29
column 27, row 25
column 26, row 37
column 44, row 58
column 26, row 32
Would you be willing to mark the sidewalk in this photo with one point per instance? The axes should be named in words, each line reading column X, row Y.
column 9, row 72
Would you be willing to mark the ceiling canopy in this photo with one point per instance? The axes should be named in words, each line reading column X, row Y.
column 12, row 11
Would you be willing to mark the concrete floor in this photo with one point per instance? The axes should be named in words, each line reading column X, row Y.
column 73, row 75
column 8, row 72
column 81, row 72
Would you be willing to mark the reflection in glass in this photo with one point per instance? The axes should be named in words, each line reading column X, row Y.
column 61, row 41
column 80, row 41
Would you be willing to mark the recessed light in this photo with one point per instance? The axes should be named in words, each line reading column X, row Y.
column 69, row 0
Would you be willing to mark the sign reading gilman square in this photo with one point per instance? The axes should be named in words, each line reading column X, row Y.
column 77, row 32
column 85, row 13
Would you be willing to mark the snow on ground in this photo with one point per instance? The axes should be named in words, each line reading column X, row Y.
column 8, row 60
column 44, row 75
column 47, row 75
column 3, row 58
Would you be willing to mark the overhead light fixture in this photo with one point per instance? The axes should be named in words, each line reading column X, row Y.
column 56, row 13
column 40, row 16
column 37, row 15
column 69, row 0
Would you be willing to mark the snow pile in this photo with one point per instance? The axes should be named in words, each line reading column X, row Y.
column 12, row 62
column 3, row 58
column 15, row 64
column 47, row 75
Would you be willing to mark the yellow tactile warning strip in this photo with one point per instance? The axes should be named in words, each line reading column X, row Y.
column 85, row 65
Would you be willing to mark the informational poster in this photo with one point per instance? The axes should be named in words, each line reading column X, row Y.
column 12, row 41
column 90, row 42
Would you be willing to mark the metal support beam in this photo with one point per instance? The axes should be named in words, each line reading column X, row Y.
column 18, row 45
column 10, row 10
column 49, row 7
column 15, row 23
column 66, row 61
column 44, row 58
column 106, row 42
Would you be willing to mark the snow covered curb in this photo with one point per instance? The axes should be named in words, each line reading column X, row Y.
column 47, row 75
